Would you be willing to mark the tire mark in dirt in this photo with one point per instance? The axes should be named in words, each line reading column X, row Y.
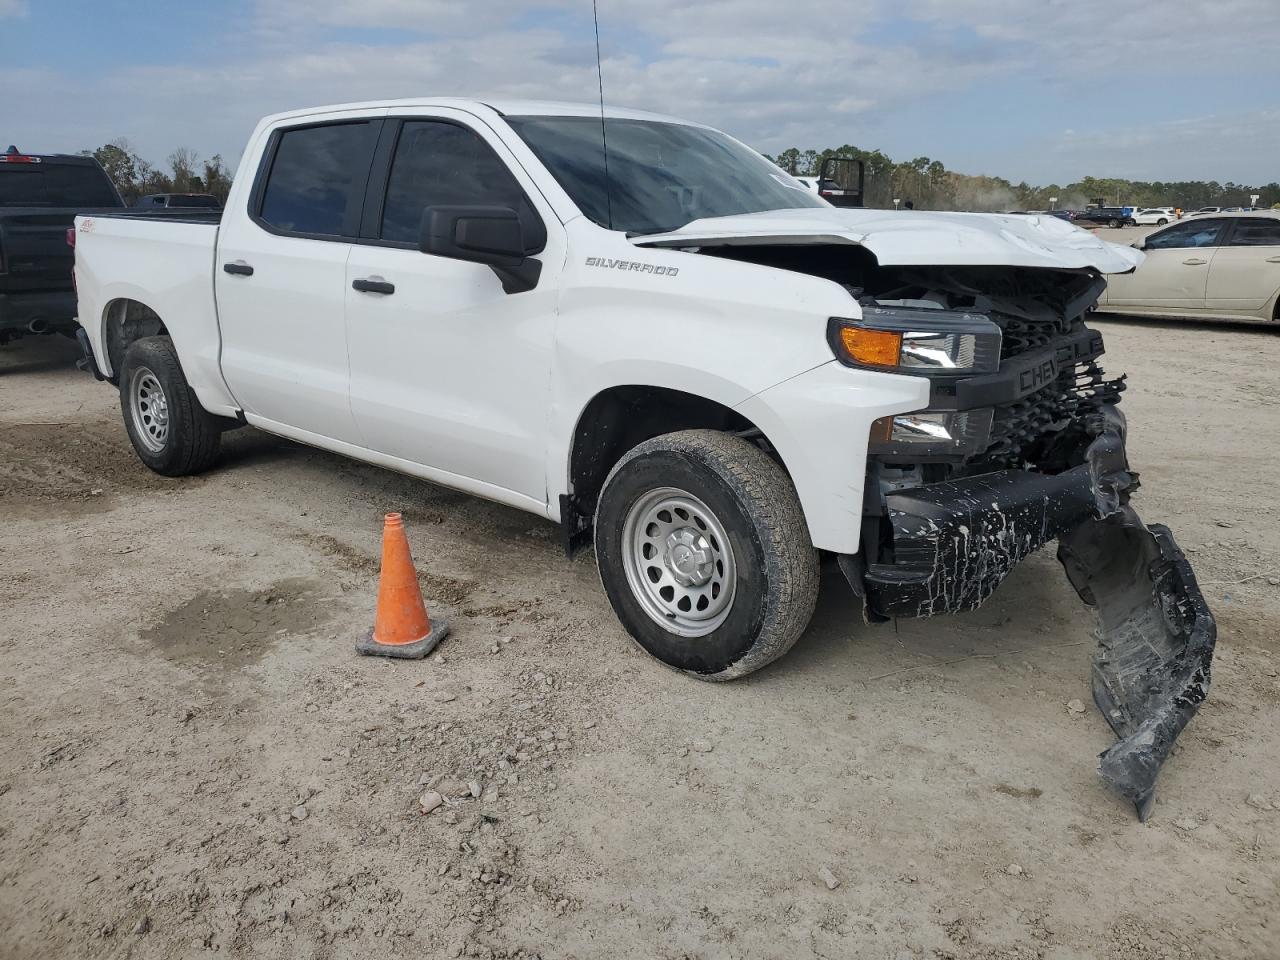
column 64, row 463
column 437, row 587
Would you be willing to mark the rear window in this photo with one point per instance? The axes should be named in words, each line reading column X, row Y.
column 316, row 174
column 55, row 185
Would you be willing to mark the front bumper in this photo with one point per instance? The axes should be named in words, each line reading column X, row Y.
column 951, row 544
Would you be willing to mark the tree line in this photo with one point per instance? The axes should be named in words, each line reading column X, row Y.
column 928, row 184
column 184, row 172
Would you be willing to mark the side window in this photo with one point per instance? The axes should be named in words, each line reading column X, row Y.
column 438, row 164
column 315, row 175
column 1256, row 232
column 1195, row 233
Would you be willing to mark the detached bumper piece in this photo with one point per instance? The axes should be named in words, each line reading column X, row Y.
column 1155, row 643
column 953, row 543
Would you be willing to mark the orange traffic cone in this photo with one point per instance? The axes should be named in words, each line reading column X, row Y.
column 401, row 627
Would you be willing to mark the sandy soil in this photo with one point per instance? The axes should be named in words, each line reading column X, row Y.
column 193, row 760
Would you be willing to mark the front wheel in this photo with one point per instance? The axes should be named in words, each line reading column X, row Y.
column 1161, row 222
column 704, row 553
column 170, row 432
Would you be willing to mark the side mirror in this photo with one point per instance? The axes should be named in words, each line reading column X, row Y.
column 490, row 235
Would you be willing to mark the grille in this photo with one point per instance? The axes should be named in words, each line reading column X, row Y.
column 1023, row 335
column 1019, row 430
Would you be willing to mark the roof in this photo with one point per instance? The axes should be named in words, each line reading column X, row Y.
column 506, row 107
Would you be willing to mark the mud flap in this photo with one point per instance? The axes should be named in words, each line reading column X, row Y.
column 1155, row 642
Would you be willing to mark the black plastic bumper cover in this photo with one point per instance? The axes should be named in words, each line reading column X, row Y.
column 953, row 543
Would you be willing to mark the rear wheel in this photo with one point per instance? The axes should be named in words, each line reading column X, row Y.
column 1113, row 224
column 1161, row 222
column 170, row 432
column 704, row 553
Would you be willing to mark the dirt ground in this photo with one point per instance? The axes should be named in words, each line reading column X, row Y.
column 194, row 761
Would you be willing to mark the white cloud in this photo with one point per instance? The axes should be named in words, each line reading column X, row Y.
column 13, row 8
column 1165, row 35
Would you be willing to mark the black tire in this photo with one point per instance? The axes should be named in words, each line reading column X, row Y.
column 191, row 435
column 1113, row 224
column 775, row 563
column 1161, row 222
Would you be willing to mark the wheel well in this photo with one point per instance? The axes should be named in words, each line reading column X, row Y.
column 127, row 321
column 619, row 418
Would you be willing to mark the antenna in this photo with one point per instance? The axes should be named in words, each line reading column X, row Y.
column 604, row 137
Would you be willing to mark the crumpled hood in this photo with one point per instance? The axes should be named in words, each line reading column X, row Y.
column 916, row 237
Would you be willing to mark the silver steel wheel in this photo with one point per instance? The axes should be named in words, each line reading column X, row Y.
column 678, row 561
column 149, row 408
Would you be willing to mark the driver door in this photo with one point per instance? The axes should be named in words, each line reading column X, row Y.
column 449, row 372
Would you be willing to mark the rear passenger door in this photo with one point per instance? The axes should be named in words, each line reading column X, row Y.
column 280, row 279
column 1175, row 273
column 1245, row 274
column 448, row 371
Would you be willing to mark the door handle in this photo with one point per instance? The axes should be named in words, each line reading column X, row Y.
column 1195, row 262
column 373, row 285
column 239, row 268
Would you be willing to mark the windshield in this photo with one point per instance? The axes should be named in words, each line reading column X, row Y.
column 661, row 175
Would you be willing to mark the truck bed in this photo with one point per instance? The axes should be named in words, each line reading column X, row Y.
column 142, row 265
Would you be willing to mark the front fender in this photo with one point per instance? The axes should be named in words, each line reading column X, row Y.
column 820, row 422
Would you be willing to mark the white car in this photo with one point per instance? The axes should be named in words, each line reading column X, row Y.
column 1154, row 216
column 1215, row 267
column 712, row 373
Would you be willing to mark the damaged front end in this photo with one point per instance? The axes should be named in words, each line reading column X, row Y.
column 1011, row 454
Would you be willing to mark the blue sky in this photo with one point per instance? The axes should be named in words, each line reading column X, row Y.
column 1042, row 91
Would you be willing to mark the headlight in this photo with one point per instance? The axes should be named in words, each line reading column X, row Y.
column 932, row 433
column 918, row 341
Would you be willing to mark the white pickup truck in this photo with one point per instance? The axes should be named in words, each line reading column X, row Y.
column 661, row 338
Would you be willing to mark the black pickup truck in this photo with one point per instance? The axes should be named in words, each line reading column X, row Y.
column 40, row 197
column 1111, row 216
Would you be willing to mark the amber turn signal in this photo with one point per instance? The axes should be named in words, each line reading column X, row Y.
column 874, row 348
column 882, row 430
